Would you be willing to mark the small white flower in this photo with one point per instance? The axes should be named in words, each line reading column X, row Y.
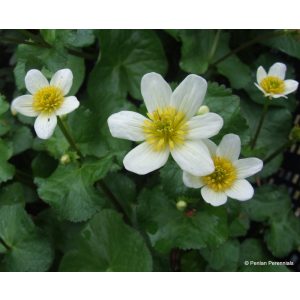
column 171, row 127
column 46, row 100
column 228, row 178
column 273, row 84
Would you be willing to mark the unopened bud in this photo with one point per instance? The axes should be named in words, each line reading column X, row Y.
column 181, row 205
column 203, row 110
column 295, row 134
column 65, row 159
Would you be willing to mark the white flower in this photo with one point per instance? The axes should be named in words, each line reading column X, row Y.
column 46, row 100
column 171, row 127
column 228, row 178
column 273, row 84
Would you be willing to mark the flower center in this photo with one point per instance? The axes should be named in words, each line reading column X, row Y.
column 223, row 176
column 273, row 85
column 48, row 99
column 167, row 127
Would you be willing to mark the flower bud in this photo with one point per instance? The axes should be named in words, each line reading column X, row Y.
column 65, row 159
column 203, row 110
column 181, row 205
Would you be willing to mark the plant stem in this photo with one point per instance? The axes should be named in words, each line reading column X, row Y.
column 214, row 45
column 249, row 43
column 114, row 200
column 68, row 137
column 278, row 151
column 101, row 183
column 261, row 121
column 4, row 244
column 37, row 43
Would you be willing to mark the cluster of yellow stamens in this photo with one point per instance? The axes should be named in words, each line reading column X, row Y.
column 273, row 85
column 223, row 177
column 48, row 99
column 166, row 127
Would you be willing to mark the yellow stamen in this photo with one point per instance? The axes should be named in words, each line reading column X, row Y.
column 48, row 99
column 223, row 177
column 273, row 85
column 167, row 127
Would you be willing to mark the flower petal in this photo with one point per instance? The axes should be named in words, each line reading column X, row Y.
column 35, row 80
column 156, row 91
column 63, row 79
column 127, row 125
column 230, row 147
column 290, row 86
column 212, row 197
column 241, row 190
column 211, row 146
column 142, row 159
column 205, row 126
column 194, row 158
column 70, row 103
column 189, row 95
column 278, row 70
column 23, row 105
column 44, row 125
column 276, row 95
column 192, row 181
column 260, row 88
column 260, row 74
column 248, row 166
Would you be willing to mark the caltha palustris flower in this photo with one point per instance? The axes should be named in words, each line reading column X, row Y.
column 273, row 83
column 228, row 178
column 171, row 127
column 46, row 100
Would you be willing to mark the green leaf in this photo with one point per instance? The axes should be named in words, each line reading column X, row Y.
column 169, row 228
column 22, row 139
column 239, row 221
column 172, row 183
column 70, row 191
column 27, row 247
column 288, row 43
column 70, row 38
column 268, row 202
column 223, row 258
column 201, row 48
column 4, row 106
column 220, row 100
column 56, row 145
column 196, row 50
column 107, row 244
column 48, row 60
column 76, row 38
column 255, row 258
column 124, row 189
column 7, row 170
column 43, row 165
column 283, row 235
column 274, row 132
column 126, row 55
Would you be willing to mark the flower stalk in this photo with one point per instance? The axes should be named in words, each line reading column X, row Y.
column 68, row 137
column 261, row 121
column 278, row 151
